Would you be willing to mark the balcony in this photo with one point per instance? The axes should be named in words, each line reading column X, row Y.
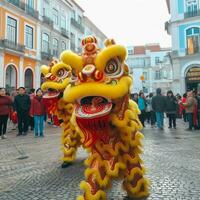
column 12, row 45
column 190, row 51
column 32, row 12
column 25, row 7
column 48, row 21
column 46, row 55
column 64, row 33
column 192, row 14
column 77, row 25
column 17, row 3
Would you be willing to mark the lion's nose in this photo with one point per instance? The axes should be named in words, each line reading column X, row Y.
column 88, row 69
column 90, row 72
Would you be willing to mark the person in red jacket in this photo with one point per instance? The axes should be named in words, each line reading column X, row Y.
column 5, row 104
column 38, row 111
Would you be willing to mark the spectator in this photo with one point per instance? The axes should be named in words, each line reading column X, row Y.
column 22, row 106
column 142, row 107
column 198, row 109
column 189, row 109
column 148, row 109
column 5, row 104
column 159, row 105
column 171, row 108
column 195, row 115
column 152, row 113
column 183, row 100
column 135, row 97
column 38, row 111
column 31, row 119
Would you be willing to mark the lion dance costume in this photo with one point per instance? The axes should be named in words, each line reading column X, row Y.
column 97, row 113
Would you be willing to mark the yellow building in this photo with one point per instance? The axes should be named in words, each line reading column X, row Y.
column 18, row 43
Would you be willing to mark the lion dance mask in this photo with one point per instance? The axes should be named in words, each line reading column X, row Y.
column 98, row 114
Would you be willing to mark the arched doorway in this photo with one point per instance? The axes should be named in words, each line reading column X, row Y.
column 192, row 78
column 11, row 78
column 28, row 80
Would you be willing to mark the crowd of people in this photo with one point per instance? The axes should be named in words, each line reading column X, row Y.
column 27, row 110
column 30, row 110
column 154, row 107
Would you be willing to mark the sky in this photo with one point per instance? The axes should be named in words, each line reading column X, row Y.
column 130, row 22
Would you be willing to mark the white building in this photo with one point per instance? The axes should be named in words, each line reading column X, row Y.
column 184, row 28
column 152, row 63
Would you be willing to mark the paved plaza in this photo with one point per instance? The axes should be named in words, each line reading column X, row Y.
column 172, row 158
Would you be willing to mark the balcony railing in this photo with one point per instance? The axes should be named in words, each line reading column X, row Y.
column 30, row 11
column 12, row 45
column 190, row 51
column 25, row 7
column 48, row 21
column 17, row 3
column 46, row 55
column 77, row 25
column 192, row 14
column 65, row 33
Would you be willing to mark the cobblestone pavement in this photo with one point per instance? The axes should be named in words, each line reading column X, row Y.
column 172, row 158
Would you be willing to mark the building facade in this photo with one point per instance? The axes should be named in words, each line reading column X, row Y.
column 184, row 28
column 150, row 67
column 18, row 43
column 32, row 32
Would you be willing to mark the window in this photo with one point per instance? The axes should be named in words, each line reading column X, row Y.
column 145, row 74
column 130, row 51
column 63, row 22
column 55, row 47
column 73, row 14
column 29, row 37
column 12, row 29
column 45, row 42
column 79, row 20
column 157, row 60
column 72, row 41
column 30, row 4
column 55, row 16
column 46, row 8
column 191, row 7
column 63, row 46
column 158, row 74
column 193, row 40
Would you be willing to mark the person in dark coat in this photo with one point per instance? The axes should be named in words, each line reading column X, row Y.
column 5, row 105
column 38, row 111
column 22, row 105
column 159, row 106
column 171, row 108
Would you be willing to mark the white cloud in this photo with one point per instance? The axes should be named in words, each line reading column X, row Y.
column 130, row 22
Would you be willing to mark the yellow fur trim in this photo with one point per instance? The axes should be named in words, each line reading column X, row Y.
column 100, row 195
column 73, row 93
column 95, row 173
column 72, row 59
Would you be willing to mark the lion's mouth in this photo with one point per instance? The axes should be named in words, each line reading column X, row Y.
column 51, row 93
column 93, row 107
column 92, row 117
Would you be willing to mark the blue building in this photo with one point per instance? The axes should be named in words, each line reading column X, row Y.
column 184, row 28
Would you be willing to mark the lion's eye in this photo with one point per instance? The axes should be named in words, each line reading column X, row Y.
column 113, row 67
column 62, row 73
